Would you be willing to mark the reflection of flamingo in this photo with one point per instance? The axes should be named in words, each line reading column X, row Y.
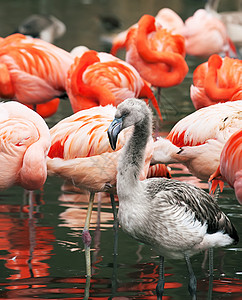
column 25, row 141
column 230, row 168
column 218, row 80
column 100, row 79
column 176, row 219
column 206, row 35
column 197, row 140
column 28, row 246
column 32, row 71
column 157, row 54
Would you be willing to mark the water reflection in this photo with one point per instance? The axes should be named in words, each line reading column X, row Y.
column 28, row 245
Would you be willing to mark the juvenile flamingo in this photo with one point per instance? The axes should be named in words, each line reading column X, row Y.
column 157, row 54
column 32, row 70
column 80, row 152
column 25, row 142
column 230, row 168
column 176, row 219
column 198, row 139
column 101, row 79
column 217, row 80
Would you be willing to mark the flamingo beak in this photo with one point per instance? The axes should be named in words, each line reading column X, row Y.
column 113, row 131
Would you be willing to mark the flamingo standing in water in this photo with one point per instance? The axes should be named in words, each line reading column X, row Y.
column 80, row 152
column 230, row 168
column 25, row 142
column 157, row 54
column 217, row 80
column 32, row 71
column 174, row 218
column 100, row 79
column 198, row 139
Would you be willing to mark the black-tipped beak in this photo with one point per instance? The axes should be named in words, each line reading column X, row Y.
column 113, row 131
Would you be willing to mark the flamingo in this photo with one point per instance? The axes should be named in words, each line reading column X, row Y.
column 80, row 152
column 25, row 142
column 231, row 19
column 230, row 168
column 166, row 17
column 157, row 54
column 100, row 79
column 48, row 109
column 42, row 26
column 217, row 80
column 175, row 218
column 32, row 70
column 198, row 139
column 206, row 35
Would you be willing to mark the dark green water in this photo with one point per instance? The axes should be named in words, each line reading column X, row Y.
column 44, row 258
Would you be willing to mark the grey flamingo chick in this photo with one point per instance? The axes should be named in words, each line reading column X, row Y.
column 175, row 218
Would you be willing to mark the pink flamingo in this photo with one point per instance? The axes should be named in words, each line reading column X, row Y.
column 32, row 71
column 217, row 80
column 166, row 17
column 25, row 141
column 156, row 54
column 93, row 166
column 198, row 139
column 100, row 79
column 206, row 35
column 230, row 168
column 48, row 109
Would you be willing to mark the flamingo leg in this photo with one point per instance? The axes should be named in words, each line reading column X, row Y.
column 161, row 281
column 192, row 286
column 86, row 237
column 115, row 247
column 210, row 261
column 115, row 224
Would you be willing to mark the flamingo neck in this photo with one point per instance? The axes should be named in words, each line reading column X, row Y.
column 132, row 159
column 84, row 95
column 175, row 68
column 212, row 89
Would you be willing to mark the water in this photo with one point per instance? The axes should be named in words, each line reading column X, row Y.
column 43, row 258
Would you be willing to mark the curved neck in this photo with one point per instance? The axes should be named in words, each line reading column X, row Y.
column 85, row 96
column 131, row 161
column 212, row 89
column 176, row 67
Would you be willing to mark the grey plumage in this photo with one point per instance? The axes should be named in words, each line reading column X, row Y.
column 175, row 218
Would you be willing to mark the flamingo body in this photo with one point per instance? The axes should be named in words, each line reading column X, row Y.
column 157, row 54
column 101, row 79
column 198, row 139
column 230, row 168
column 24, row 143
column 206, row 35
column 166, row 18
column 93, row 164
column 36, row 69
column 217, row 80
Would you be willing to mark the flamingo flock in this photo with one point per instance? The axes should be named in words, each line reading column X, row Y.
column 35, row 75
